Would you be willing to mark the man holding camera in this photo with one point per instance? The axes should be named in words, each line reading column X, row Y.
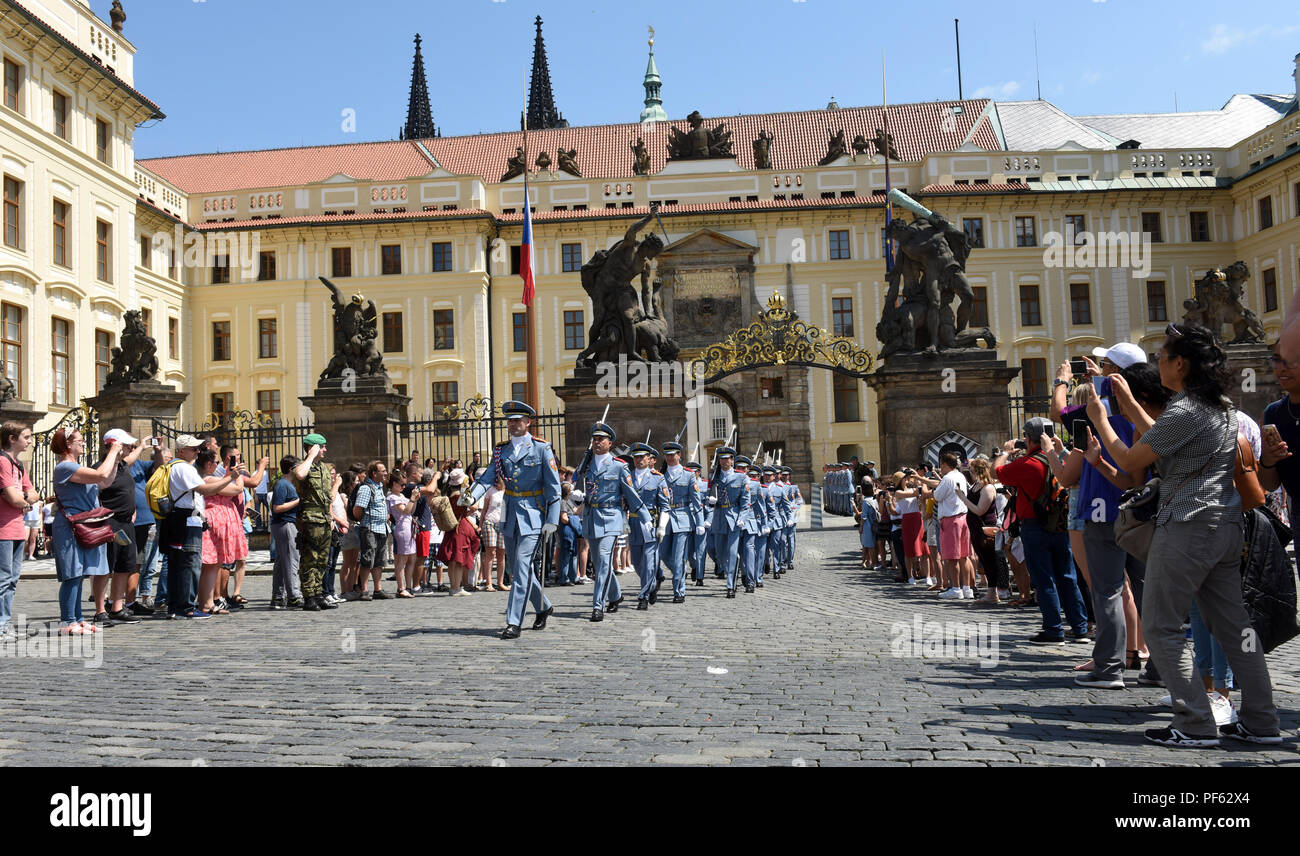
column 1047, row 550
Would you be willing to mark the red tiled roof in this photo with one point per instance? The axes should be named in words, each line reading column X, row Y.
column 94, row 63
column 603, row 150
column 974, row 188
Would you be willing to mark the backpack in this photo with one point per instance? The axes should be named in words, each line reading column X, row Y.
column 158, row 490
column 1052, row 506
column 444, row 516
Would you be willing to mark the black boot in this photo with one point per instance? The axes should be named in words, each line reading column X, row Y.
column 540, row 621
column 511, row 632
column 311, row 603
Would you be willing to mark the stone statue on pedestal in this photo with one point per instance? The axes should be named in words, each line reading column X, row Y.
column 568, row 161
column 763, row 150
column 8, row 392
column 515, row 165
column 136, row 359
column 355, row 330
column 699, row 142
column 117, row 16
column 543, row 161
column 1217, row 302
column 836, row 148
column 860, row 145
column 640, row 157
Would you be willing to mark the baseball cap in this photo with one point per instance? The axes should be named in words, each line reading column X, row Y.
column 1034, row 428
column 1123, row 355
column 117, row 435
column 188, row 441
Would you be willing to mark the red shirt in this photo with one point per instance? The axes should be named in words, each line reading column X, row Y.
column 11, row 519
column 1026, row 475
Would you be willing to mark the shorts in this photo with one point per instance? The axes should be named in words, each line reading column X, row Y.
column 492, row 536
column 372, row 549
column 122, row 559
column 422, row 543
column 954, row 537
column 932, row 532
column 348, row 540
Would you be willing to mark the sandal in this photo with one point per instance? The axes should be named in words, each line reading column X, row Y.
column 1135, row 660
column 1084, row 667
column 239, row 599
column 405, row 593
column 1023, row 601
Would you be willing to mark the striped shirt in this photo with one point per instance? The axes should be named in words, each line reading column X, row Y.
column 1187, row 435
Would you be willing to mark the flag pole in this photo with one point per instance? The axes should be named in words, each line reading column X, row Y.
column 531, row 316
column 884, row 98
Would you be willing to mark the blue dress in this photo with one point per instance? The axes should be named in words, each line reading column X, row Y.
column 867, row 531
column 71, row 560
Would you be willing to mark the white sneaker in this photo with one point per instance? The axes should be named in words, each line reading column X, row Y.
column 967, row 593
column 1224, row 712
column 914, row 581
column 951, row 594
column 929, row 581
column 462, row 593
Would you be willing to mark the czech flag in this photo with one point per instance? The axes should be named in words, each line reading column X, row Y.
column 526, row 249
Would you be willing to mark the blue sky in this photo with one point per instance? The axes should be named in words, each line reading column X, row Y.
column 248, row 74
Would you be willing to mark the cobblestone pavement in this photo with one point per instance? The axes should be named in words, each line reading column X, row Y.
column 810, row 679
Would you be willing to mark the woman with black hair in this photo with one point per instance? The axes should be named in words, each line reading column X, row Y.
column 1195, row 553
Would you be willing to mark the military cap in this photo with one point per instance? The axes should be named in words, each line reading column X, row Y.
column 767, row 470
column 517, row 410
column 726, row 452
column 692, row 465
column 743, row 460
column 643, row 449
column 786, row 470
column 672, row 448
column 600, row 429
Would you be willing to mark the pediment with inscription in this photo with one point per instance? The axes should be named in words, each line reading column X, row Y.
column 707, row 242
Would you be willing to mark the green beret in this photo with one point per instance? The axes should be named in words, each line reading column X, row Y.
column 313, row 440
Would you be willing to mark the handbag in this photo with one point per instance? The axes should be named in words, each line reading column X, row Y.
column 1246, row 477
column 444, row 516
column 91, row 528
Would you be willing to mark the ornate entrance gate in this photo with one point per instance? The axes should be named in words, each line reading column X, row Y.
column 83, row 418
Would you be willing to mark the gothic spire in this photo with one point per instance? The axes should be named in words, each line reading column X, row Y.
column 541, row 103
column 419, row 116
column 654, row 109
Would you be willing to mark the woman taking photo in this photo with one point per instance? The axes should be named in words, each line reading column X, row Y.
column 1195, row 554
column 400, row 510
column 77, row 489
column 982, row 521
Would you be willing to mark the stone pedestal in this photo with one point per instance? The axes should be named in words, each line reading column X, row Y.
column 358, row 417
column 631, row 415
column 133, row 407
column 1253, row 385
column 920, row 399
column 22, row 412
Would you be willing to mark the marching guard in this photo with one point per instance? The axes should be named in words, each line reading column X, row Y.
column 644, row 540
column 683, row 518
column 752, row 520
column 608, row 491
column 729, row 498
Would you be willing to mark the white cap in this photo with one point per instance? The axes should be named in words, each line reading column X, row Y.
column 188, row 441
column 1123, row 355
column 117, row 435
column 456, row 477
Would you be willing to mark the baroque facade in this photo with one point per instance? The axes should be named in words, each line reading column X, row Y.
column 430, row 231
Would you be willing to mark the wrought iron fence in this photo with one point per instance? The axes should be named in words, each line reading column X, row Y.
column 41, row 463
column 1025, row 407
column 457, row 431
column 257, row 435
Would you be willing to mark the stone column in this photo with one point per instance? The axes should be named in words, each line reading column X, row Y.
column 22, row 412
column 358, row 418
column 1253, row 385
column 133, row 407
column 918, row 400
column 631, row 412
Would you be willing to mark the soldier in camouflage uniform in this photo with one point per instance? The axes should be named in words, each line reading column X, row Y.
column 314, row 489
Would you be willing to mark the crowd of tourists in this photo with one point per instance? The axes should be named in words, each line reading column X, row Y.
column 1157, row 516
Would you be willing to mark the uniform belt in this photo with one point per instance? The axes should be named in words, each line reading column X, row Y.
column 723, row 505
column 683, row 505
column 523, row 493
column 602, row 505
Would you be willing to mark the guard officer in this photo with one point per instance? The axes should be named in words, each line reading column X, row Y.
column 644, row 540
column 314, row 484
column 729, row 498
column 796, row 503
column 752, row 520
column 702, row 517
column 531, row 512
column 607, row 493
column 775, row 523
column 682, row 518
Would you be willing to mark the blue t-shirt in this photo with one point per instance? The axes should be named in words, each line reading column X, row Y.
column 284, row 492
column 1092, row 484
column 140, row 474
column 1288, row 470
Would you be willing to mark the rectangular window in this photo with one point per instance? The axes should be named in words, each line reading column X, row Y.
column 519, row 391
column 146, row 318
column 392, row 332
column 1075, row 226
column 1156, row 301
column 846, row 398
column 444, row 330
column 1025, row 233
column 144, row 251
column 266, row 265
column 341, row 261
column 13, row 345
column 446, row 393
column 515, row 259
column 1151, row 225
column 441, row 256
column 60, row 115
column 839, row 239
column 1033, row 378
column 974, row 229
column 842, row 316
column 570, row 257
column 1029, row 309
column 173, row 338
column 220, row 341
column 13, row 84
column 390, row 256
column 979, row 310
column 13, row 213
column 103, row 357
column 222, row 403
column 103, row 139
column 1269, row 278
column 268, row 402
column 1265, row 212
column 60, row 233
column 60, row 353
column 574, row 327
column 519, row 329
column 1199, row 222
column 267, row 344
column 1080, row 304
column 220, row 269
column 103, row 245
column 770, row 387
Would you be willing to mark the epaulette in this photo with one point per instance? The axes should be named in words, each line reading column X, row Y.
column 502, row 444
column 655, row 472
column 540, row 440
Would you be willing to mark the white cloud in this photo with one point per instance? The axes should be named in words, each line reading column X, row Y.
column 998, row 90
column 1223, row 38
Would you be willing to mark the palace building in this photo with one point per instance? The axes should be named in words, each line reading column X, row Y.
column 428, row 227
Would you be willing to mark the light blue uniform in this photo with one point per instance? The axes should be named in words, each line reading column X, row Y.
column 781, row 532
column 796, row 503
column 703, row 516
column 683, row 514
column 732, row 493
column 753, row 542
column 532, row 498
column 608, row 491
column 653, row 490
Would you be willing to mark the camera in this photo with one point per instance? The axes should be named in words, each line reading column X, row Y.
column 153, row 441
column 1001, row 489
column 1078, row 366
column 231, row 462
column 1020, row 444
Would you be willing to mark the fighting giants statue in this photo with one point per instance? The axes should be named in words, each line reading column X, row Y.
column 1218, row 302
column 929, row 271
column 699, row 141
column 620, row 326
column 136, row 359
column 355, row 332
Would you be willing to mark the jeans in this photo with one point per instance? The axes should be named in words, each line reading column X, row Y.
column 183, row 568
column 1207, row 653
column 146, row 542
column 11, row 565
column 568, row 570
column 1052, row 572
column 284, row 575
column 70, row 601
column 328, row 581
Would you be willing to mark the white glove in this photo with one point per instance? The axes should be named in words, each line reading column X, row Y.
column 699, row 530
column 647, row 532
column 767, row 530
column 465, row 499
column 663, row 527
column 713, row 500
column 549, row 529
column 576, row 496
